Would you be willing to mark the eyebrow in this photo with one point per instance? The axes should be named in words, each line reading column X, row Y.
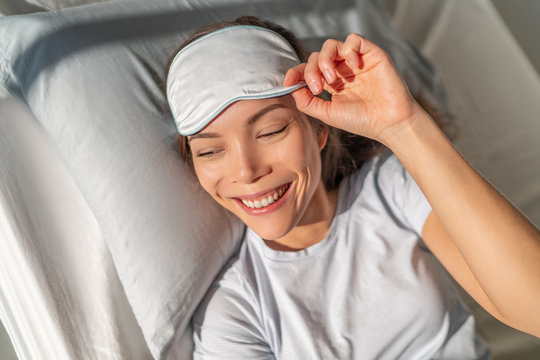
column 252, row 119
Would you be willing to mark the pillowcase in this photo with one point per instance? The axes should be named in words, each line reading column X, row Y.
column 92, row 76
column 60, row 4
column 14, row 7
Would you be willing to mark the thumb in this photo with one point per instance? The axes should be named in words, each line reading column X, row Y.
column 311, row 105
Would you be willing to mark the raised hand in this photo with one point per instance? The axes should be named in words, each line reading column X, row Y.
column 369, row 98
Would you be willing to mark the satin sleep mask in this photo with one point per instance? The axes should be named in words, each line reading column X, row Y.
column 234, row 63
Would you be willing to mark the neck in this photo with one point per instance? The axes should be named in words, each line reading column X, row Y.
column 314, row 224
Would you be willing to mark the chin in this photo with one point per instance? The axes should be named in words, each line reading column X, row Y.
column 269, row 234
column 269, row 231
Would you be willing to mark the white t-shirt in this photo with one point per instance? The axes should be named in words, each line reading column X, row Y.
column 369, row 290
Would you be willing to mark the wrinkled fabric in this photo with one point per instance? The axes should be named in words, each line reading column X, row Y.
column 370, row 289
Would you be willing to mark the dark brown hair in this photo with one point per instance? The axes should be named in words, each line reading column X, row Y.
column 344, row 152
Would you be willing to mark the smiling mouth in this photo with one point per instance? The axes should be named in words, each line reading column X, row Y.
column 267, row 199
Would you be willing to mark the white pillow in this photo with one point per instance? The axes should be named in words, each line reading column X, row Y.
column 60, row 4
column 15, row 7
column 92, row 75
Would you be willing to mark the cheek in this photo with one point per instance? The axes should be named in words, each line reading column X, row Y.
column 290, row 155
column 300, row 153
column 208, row 177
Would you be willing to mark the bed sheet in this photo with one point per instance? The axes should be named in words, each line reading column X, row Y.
column 37, row 246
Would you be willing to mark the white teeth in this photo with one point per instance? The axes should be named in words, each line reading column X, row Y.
column 257, row 204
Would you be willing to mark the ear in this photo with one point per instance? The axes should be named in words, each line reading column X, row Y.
column 322, row 135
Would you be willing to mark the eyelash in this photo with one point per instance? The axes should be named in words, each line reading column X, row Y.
column 210, row 153
column 206, row 154
column 274, row 132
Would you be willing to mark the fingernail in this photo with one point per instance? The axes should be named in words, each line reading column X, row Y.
column 329, row 76
column 314, row 87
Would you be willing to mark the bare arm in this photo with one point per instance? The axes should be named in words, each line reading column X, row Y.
column 500, row 247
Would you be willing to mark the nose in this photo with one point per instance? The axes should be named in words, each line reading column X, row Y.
column 246, row 165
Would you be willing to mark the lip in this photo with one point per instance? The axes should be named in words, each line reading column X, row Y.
column 259, row 194
column 265, row 210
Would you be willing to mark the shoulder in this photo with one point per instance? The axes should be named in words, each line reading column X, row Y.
column 228, row 320
column 232, row 283
column 379, row 176
column 387, row 186
column 389, row 177
column 389, row 172
column 230, row 296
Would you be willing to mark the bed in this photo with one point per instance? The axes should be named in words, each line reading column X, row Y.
column 107, row 244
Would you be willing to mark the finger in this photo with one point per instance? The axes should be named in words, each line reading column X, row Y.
column 294, row 75
column 357, row 49
column 313, row 75
column 351, row 50
column 311, row 105
column 330, row 53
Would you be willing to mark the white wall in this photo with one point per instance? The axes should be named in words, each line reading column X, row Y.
column 521, row 16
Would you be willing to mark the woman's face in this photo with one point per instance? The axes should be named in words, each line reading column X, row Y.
column 260, row 159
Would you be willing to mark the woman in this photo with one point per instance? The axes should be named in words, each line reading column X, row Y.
column 337, row 262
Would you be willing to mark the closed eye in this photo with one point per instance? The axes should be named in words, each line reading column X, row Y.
column 207, row 153
column 269, row 134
